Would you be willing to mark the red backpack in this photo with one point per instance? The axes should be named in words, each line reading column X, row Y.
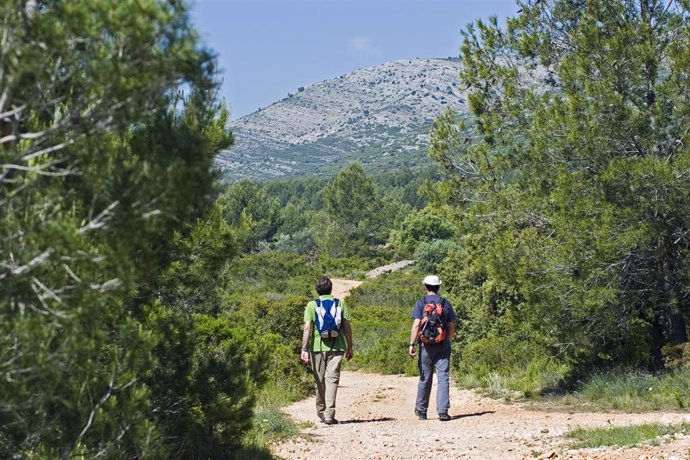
column 431, row 329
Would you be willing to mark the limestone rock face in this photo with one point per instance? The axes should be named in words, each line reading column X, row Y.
column 379, row 116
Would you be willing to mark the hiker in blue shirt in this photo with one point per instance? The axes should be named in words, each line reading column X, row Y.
column 329, row 319
column 433, row 327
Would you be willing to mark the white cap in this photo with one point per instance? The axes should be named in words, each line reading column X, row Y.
column 431, row 280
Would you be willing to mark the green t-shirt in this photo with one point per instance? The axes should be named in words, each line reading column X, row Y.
column 339, row 344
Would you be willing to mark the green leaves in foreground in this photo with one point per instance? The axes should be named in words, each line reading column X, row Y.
column 109, row 126
column 624, row 435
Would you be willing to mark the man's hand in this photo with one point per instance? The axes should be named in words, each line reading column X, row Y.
column 348, row 353
column 412, row 351
column 304, row 356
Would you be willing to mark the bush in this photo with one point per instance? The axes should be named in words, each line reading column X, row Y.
column 204, row 387
column 300, row 242
column 420, row 227
column 276, row 324
column 381, row 336
column 270, row 272
column 676, row 356
column 430, row 254
column 399, row 289
column 504, row 365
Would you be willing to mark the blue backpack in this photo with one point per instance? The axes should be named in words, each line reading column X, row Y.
column 327, row 318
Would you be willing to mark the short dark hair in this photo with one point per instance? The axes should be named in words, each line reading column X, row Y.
column 432, row 288
column 324, row 286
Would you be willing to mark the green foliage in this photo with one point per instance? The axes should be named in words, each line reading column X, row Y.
column 272, row 273
column 636, row 390
column 245, row 204
column 205, row 383
column 429, row 255
column 351, row 214
column 569, row 184
column 505, row 365
column 356, row 216
column 585, row 438
column 190, row 282
column 676, row 356
column 354, row 267
column 423, row 227
column 350, row 196
column 381, row 336
column 400, row 289
column 109, row 239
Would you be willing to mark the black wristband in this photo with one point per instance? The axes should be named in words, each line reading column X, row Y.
column 412, row 344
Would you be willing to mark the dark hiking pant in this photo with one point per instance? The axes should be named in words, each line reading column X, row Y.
column 430, row 357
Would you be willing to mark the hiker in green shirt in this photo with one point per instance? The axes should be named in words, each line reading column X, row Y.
column 327, row 323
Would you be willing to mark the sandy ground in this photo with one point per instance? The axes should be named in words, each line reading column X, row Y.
column 377, row 421
column 341, row 287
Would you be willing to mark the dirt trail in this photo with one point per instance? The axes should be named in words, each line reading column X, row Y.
column 341, row 288
column 377, row 421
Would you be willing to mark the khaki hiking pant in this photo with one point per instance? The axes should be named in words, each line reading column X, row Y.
column 326, row 369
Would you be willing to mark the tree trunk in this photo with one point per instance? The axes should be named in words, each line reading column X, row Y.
column 677, row 332
column 656, row 345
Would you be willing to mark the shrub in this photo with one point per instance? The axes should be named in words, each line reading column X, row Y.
column 381, row 336
column 346, row 267
column 423, row 226
column 399, row 289
column 205, row 388
column 270, row 272
column 676, row 356
column 507, row 364
column 430, row 254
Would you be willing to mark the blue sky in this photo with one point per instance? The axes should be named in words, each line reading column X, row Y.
column 267, row 48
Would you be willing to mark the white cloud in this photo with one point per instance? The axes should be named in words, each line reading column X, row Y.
column 363, row 45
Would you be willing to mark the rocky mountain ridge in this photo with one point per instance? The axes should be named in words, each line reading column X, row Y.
column 379, row 116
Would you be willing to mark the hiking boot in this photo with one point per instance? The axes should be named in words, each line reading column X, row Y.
column 330, row 421
column 444, row 417
column 420, row 414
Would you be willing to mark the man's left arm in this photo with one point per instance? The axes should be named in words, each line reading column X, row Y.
column 451, row 330
column 452, row 318
column 348, row 336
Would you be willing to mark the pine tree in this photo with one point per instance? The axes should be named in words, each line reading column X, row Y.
column 110, row 123
column 572, row 177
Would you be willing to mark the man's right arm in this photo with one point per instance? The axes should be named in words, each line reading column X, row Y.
column 304, row 355
column 413, row 337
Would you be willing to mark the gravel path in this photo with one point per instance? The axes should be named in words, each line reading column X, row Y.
column 377, row 421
